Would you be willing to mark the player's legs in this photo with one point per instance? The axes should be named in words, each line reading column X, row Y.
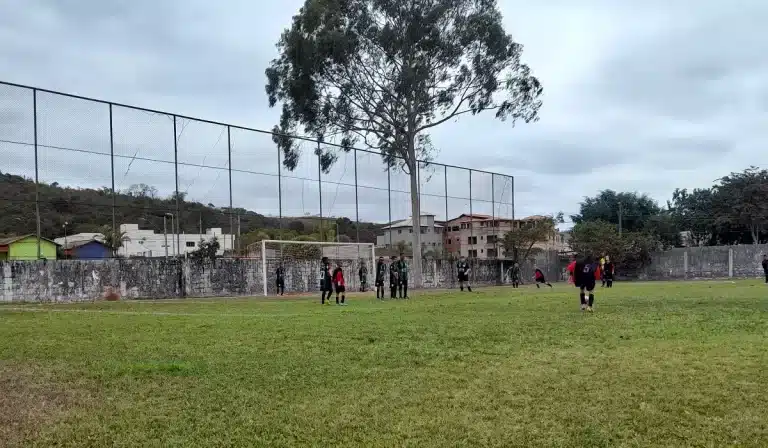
column 404, row 288
column 591, row 300
column 582, row 297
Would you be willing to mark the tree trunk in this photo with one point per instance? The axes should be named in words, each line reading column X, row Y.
column 415, row 214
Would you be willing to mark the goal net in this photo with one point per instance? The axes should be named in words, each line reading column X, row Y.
column 301, row 264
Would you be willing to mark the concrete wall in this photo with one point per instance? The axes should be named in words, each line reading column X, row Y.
column 82, row 280
column 706, row 262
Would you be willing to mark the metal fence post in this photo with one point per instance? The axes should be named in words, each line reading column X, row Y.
column 493, row 216
column 279, row 191
column 37, row 179
column 357, row 203
column 112, row 167
column 513, row 200
column 178, row 194
column 389, row 204
column 472, row 244
column 320, row 190
column 445, row 178
column 229, row 169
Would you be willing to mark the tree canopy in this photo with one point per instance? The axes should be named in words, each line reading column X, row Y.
column 520, row 242
column 633, row 208
column 385, row 72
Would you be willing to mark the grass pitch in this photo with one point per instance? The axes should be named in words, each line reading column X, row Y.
column 657, row 364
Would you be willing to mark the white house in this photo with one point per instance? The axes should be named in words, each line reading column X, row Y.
column 402, row 231
column 147, row 243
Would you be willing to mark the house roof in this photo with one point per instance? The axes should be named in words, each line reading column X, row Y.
column 13, row 239
column 80, row 243
column 409, row 223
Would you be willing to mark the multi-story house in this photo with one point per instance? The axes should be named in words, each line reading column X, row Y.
column 480, row 236
column 401, row 232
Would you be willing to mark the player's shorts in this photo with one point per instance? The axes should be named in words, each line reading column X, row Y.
column 379, row 282
column 463, row 277
column 541, row 280
column 326, row 286
column 280, row 282
column 586, row 283
column 340, row 289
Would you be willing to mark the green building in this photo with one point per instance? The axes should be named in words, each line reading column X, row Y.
column 25, row 248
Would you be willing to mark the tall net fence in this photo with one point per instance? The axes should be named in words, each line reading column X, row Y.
column 153, row 184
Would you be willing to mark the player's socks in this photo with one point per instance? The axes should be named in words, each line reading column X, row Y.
column 462, row 288
column 469, row 288
column 537, row 286
column 583, row 300
column 591, row 300
column 550, row 285
column 343, row 297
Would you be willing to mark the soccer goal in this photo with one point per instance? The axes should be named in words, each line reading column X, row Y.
column 301, row 263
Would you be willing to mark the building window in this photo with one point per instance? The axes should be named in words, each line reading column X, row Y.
column 492, row 253
column 471, row 240
column 481, row 237
column 492, row 239
column 449, row 241
column 455, row 228
column 399, row 232
column 410, row 230
column 472, row 254
column 190, row 244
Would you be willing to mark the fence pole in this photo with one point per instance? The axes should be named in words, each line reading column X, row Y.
column 493, row 215
column 37, row 180
column 229, row 169
column 279, row 192
column 471, row 216
column 320, row 190
column 389, row 204
column 513, row 201
column 112, row 166
column 445, row 178
column 357, row 203
column 176, row 175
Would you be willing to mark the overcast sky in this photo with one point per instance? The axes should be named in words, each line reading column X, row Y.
column 644, row 98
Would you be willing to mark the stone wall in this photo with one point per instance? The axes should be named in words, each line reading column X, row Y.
column 137, row 278
column 706, row 262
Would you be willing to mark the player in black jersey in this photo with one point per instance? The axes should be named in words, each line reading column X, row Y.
column 363, row 274
column 394, row 278
column 381, row 273
column 280, row 279
column 584, row 278
column 326, row 284
column 462, row 272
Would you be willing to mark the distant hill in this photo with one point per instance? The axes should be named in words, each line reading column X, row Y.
column 88, row 210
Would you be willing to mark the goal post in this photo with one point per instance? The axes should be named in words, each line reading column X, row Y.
column 301, row 263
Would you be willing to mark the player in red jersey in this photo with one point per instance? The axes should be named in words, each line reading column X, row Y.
column 339, row 284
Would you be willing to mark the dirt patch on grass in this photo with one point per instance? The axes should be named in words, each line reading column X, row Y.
column 30, row 398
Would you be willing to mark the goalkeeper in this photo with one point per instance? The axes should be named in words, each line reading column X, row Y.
column 363, row 274
column 381, row 272
column 326, row 283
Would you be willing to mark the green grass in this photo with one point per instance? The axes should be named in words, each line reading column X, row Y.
column 657, row 364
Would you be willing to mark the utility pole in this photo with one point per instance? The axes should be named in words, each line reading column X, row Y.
column 165, row 234
column 620, row 217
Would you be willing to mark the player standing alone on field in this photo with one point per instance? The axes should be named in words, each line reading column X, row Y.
column 608, row 271
column 765, row 267
column 585, row 279
column 280, row 279
column 326, row 285
column 394, row 282
column 538, row 276
column 462, row 271
column 381, row 272
column 339, row 284
column 514, row 275
column 363, row 273
column 402, row 274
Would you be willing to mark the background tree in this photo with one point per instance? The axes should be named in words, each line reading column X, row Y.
column 665, row 229
column 385, row 72
column 636, row 209
column 206, row 251
column 114, row 239
column 693, row 214
column 631, row 250
column 742, row 199
column 519, row 243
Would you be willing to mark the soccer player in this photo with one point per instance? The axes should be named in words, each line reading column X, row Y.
column 402, row 274
column 339, row 284
column 570, row 269
column 514, row 274
column 585, row 279
column 381, row 272
column 607, row 272
column 326, row 284
column 363, row 273
column 280, row 279
column 538, row 276
column 393, row 278
column 462, row 270
column 765, row 267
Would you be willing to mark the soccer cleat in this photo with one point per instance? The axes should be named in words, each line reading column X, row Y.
column 589, row 308
column 583, row 307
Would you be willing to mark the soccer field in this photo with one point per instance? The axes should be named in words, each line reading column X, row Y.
column 657, row 364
